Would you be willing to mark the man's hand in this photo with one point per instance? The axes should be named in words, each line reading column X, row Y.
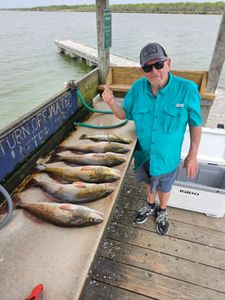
column 108, row 96
column 190, row 162
column 191, row 165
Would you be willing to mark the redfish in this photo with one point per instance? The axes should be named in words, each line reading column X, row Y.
column 109, row 159
column 92, row 174
column 76, row 192
column 100, row 147
column 106, row 137
column 65, row 214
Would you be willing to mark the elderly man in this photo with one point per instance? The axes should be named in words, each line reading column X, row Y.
column 161, row 105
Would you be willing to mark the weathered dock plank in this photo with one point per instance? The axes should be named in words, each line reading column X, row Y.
column 175, row 214
column 168, row 265
column 90, row 54
column 217, row 111
column 188, row 263
column 103, row 291
column 189, row 232
column 169, row 245
column 148, row 283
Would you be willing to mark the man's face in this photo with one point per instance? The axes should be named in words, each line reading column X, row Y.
column 158, row 77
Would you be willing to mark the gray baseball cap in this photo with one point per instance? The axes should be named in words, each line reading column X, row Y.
column 150, row 52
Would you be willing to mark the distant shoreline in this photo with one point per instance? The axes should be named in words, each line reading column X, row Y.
column 206, row 8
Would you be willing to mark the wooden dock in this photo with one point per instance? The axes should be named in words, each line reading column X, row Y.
column 136, row 263
column 89, row 54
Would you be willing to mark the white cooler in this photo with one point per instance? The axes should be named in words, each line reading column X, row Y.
column 206, row 192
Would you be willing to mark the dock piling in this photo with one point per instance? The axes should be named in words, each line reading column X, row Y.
column 217, row 58
column 103, row 54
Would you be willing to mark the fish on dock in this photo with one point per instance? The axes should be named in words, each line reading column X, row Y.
column 64, row 214
column 108, row 159
column 76, row 192
column 106, row 138
column 92, row 174
column 100, row 147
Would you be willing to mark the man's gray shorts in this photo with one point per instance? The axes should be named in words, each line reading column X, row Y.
column 162, row 183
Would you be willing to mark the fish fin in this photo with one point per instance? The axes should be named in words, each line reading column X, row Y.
column 57, row 157
column 68, row 163
column 80, row 184
column 98, row 155
column 86, row 168
column 59, row 178
column 83, row 137
column 65, row 207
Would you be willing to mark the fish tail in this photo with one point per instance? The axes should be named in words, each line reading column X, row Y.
column 40, row 167
column 39, row 161
column 17, row 201
column 42, row 160
column 55, row 157
column 32, row 182
column 83, row 137
column 19, row 205
column 61, row 148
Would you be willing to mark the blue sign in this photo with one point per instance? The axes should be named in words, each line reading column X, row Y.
column 25, row 137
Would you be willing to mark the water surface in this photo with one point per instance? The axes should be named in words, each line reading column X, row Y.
column 32, row 70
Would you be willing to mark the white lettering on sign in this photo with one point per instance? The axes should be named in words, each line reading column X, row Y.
column 35, row 131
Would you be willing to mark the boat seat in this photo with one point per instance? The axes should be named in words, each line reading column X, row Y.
column 120, row 79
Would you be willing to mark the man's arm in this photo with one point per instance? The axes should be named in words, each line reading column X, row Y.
column 109, row 98
column 190, row 162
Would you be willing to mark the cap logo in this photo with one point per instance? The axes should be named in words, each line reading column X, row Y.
column 151, row 50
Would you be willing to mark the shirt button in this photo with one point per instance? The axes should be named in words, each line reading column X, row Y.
column 156, row 116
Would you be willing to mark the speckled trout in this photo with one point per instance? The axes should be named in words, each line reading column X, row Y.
column 106, row 137
column 95, row 174
column 76, row 192
column 108, row 159
column 64, row 214
column 100, row 147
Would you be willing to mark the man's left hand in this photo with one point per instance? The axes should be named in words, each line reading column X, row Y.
column 191, row 165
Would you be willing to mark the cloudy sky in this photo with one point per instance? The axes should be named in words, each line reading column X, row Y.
column 32, row 3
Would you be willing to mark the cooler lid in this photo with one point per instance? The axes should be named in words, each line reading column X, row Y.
column 211, row 148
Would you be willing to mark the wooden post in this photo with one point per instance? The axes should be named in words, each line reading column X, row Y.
column 103, row 54
column 217, row 59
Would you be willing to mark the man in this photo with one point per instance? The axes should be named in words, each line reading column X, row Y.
column 161, row 106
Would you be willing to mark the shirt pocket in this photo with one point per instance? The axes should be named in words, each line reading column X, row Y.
column 142, row 118
column 172, row 118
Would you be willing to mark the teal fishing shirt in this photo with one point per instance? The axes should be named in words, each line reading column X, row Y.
column 161, row 121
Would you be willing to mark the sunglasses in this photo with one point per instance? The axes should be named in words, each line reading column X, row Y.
column 158, row 65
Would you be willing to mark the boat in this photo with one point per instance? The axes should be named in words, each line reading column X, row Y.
column 39, row 253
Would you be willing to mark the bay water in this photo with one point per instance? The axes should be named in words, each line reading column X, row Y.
column 32, row 70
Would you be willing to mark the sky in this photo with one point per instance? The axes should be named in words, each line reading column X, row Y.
column 32, row 3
